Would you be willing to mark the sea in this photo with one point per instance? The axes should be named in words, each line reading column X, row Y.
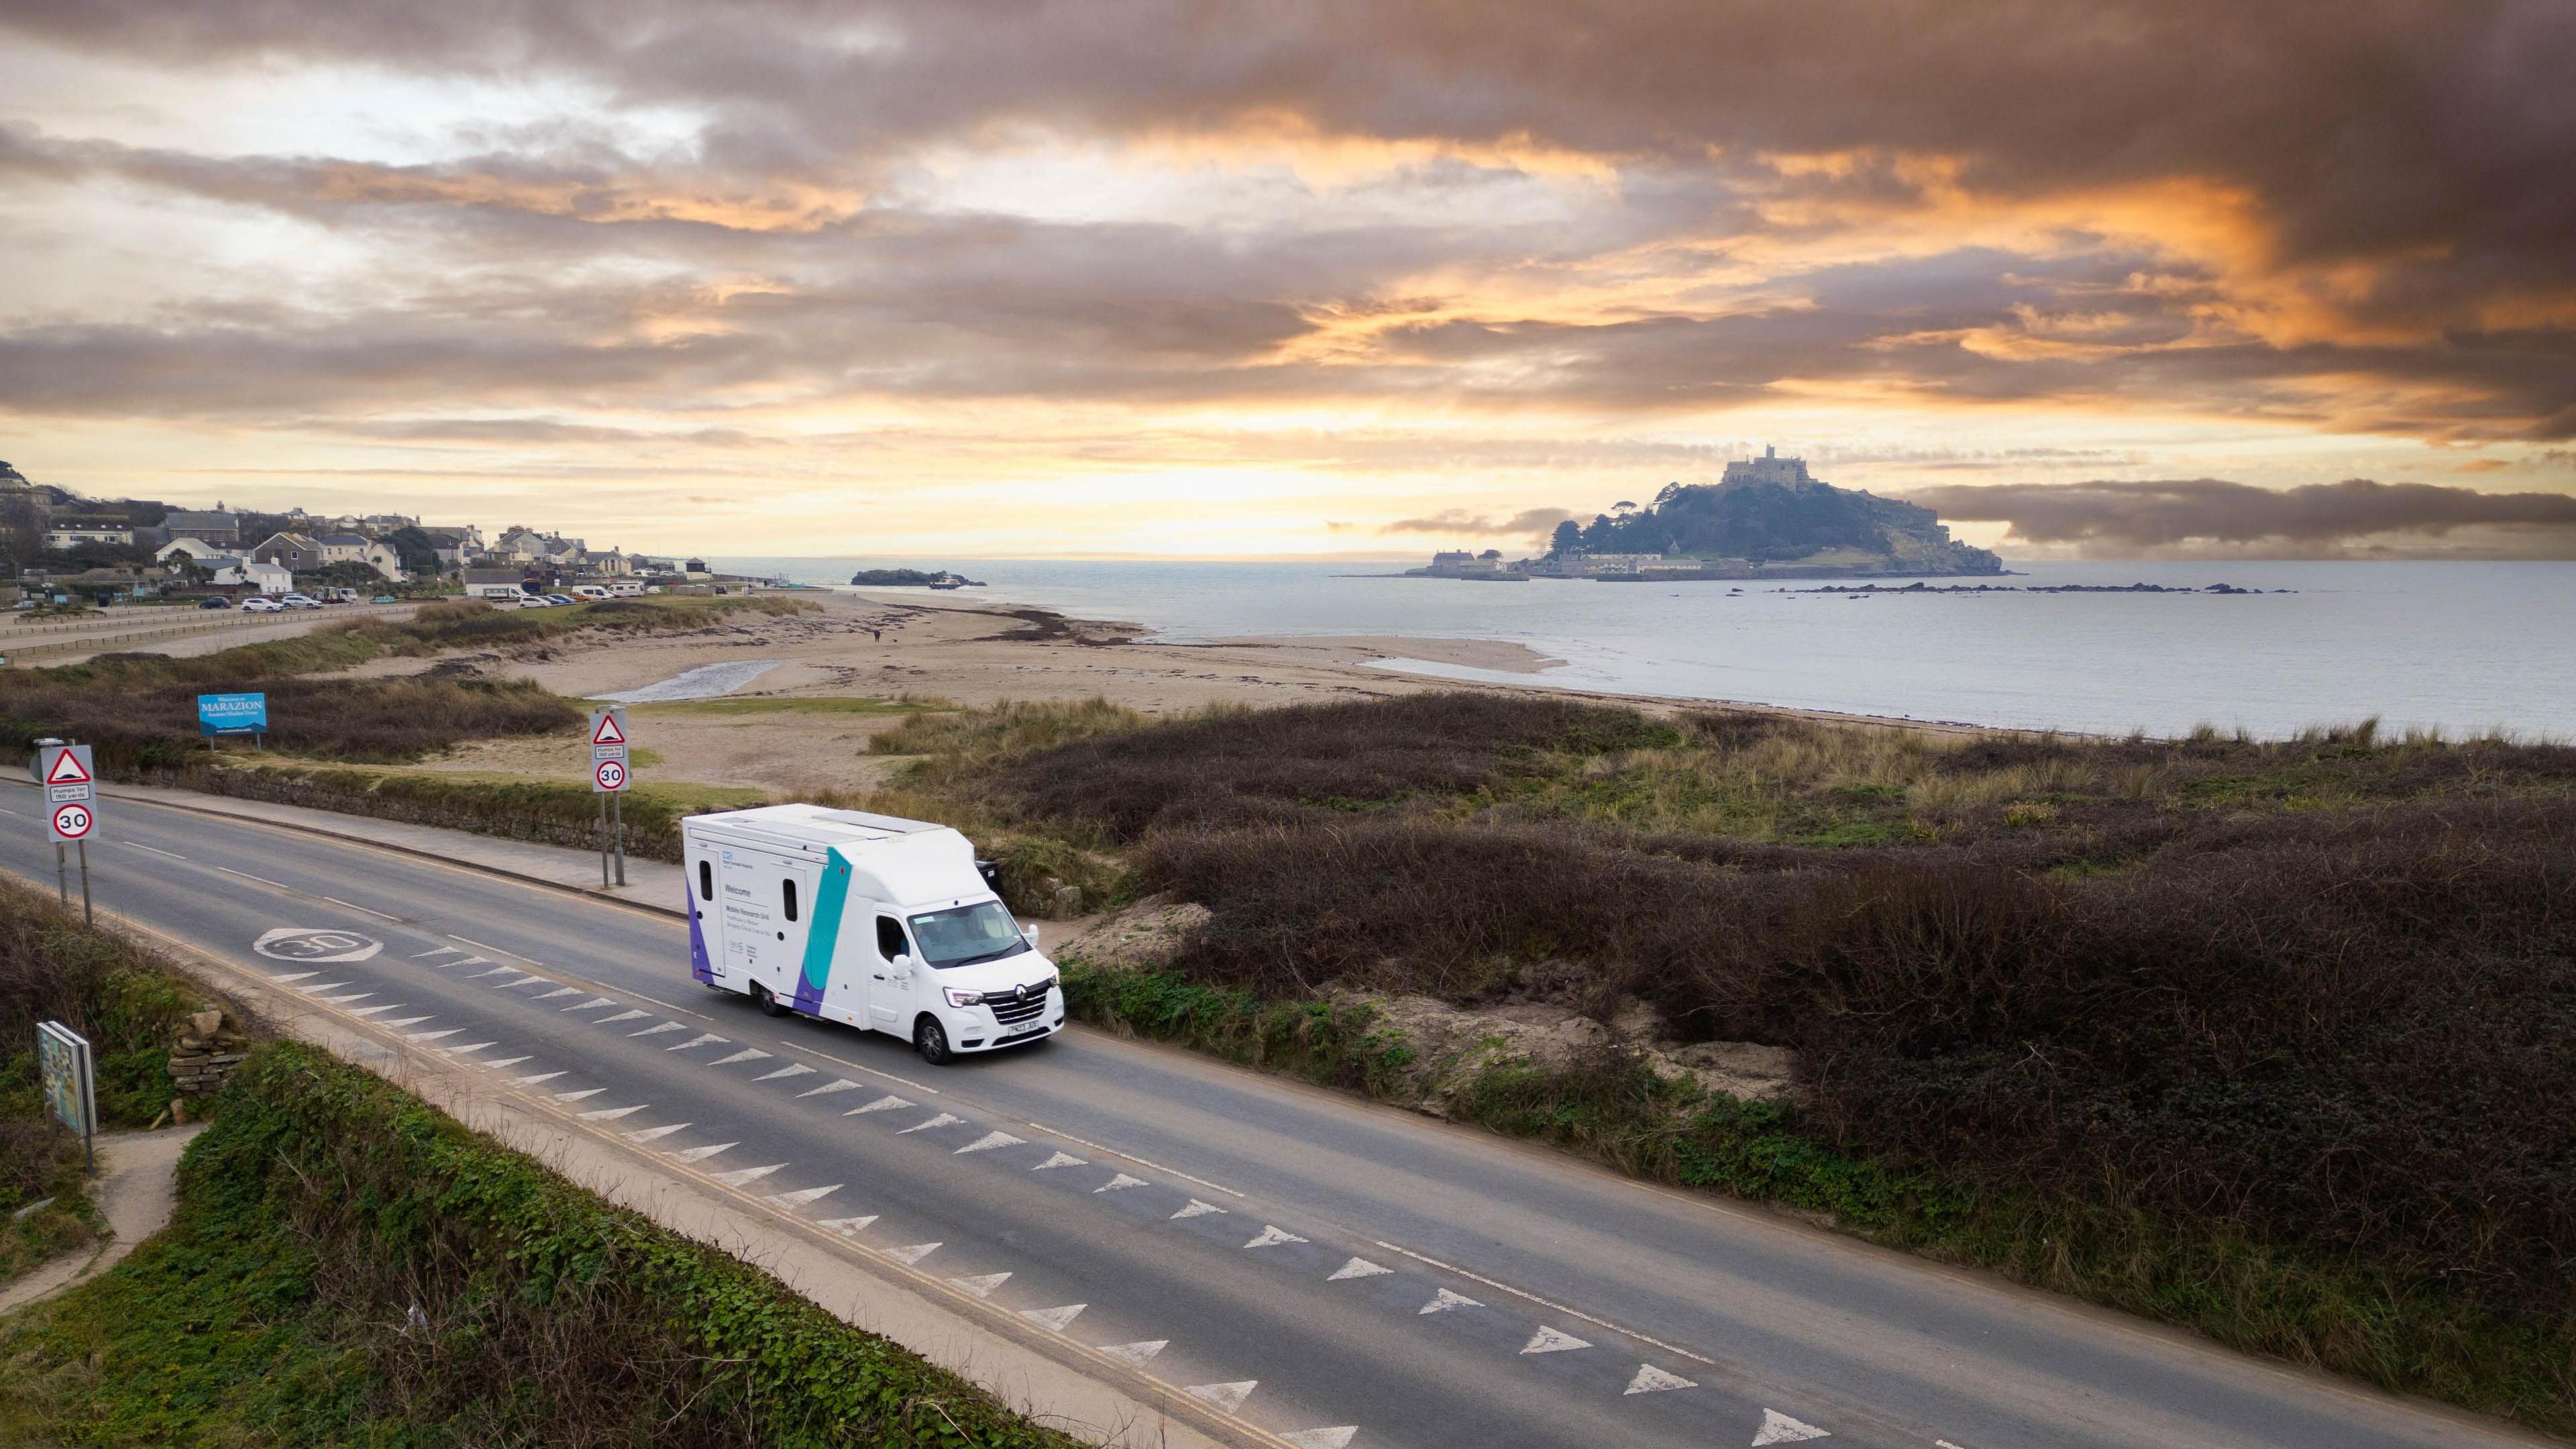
column 2462, row 647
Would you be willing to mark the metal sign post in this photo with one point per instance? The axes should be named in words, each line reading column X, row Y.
column 71, row 811
column 611, row 776
column 71, row 1083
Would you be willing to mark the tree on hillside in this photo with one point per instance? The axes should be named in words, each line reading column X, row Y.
column 418, row 551
column 1567, row 539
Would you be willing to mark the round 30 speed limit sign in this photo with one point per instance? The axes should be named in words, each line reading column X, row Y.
column 611, row 774
column 73, row 822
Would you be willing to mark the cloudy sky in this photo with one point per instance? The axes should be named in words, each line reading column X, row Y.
column 1299, row 276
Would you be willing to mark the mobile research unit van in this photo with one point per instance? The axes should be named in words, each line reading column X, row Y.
column 882, row 923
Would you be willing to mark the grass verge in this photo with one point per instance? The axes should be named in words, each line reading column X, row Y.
column 349, row 1266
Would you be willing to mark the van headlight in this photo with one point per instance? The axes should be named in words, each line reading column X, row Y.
column 957, row 997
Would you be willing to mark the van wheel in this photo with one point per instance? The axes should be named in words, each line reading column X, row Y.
column 768, row 1004
column 931, row 1040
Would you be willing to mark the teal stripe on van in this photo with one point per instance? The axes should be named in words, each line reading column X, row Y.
column 820, row 937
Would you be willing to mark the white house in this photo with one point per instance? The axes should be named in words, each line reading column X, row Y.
column 75, row 534
column 268, row 578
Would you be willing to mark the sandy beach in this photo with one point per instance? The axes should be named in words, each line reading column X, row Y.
column 789, row 704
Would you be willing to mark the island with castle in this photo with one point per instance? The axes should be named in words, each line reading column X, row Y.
column 1766, row 518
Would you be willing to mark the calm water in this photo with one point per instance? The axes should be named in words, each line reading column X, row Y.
column 2462, row 646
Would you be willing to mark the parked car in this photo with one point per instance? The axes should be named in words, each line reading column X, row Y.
column 386, row 599
column 535, row 601
column 214, row 601
column 301, row 601
column 561, row 599
column 262, row 604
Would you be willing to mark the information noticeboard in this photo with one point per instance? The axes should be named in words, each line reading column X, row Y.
column 232, row 714
column 71, row 1091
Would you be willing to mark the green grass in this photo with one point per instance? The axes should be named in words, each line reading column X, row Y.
column 348, row 1266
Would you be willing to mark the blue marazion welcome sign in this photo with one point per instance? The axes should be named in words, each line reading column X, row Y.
column 232, row 714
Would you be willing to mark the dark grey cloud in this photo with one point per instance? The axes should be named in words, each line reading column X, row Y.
column 2128, row 516
column 1460, row 523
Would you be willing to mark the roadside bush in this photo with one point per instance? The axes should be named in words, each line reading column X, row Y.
column 146, row 726
column 349, row 1266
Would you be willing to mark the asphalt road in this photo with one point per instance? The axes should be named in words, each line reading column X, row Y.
column 1326, row 1272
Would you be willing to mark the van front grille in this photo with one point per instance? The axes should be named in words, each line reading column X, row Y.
column 1011, row 1011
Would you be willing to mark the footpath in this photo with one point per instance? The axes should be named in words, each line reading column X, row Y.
column 138, row 1189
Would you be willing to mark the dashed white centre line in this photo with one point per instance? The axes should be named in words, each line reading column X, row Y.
column 1546, row 1303
column 246, row 875
column 479, row 946
column 1139, row 1161
column 156, row 850
column 363, row 910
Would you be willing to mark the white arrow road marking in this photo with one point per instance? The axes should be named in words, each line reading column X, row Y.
column 1122, row 1180
column 497, row 971
column 1054, row 1319
column 837, row 1084
column 431, row 1035
column 403, row 1021
column 322, row 986
column 467, row 1051
column 655, row 1134
column 701, row 1039
column 1135, row 1354
column 747, row 1054
column 792, row 1069
column 1061, row 1159
column 468, row 961
column 584, row 1093
column 1337, row 1437
column 701, row 1154
column 1196, row 1209
column 982, row 1287
column 1651, row 1380
column 1228, row 1397
column 345, row 1000
column 741, row 1175
column 942, row 1120
column 503, row 1062
column 1270, row 1237
column 539, row 1077
column 372, row 1010
column 532, row 981
column 988, row 1142
column 1357, row 1268
column 629, row 1014
column 802, row 1196
column 441, row 951
column 293, row 976
column 611, row 1114
column 587, row 1005
column 558, row 992
column 881, row 1104
column 1443, row 1300
column 1548, row 1340
column 658, row 1030
column 847, row 1227
column 1779, row 1428
column 911, row 1255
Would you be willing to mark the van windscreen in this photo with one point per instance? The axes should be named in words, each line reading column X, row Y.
column 963, row 935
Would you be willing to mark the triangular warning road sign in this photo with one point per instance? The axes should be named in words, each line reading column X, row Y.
column 608, row 733
column 67, row 771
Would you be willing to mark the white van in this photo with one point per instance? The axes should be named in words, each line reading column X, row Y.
column 881, row 923
column 592, row 592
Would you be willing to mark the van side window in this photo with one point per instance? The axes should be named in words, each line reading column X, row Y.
column 706, row 881
column 787, row 895
column 890, row 938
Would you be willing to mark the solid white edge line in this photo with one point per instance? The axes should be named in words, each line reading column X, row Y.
column 1546, row 1303
column 1139, row 1161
